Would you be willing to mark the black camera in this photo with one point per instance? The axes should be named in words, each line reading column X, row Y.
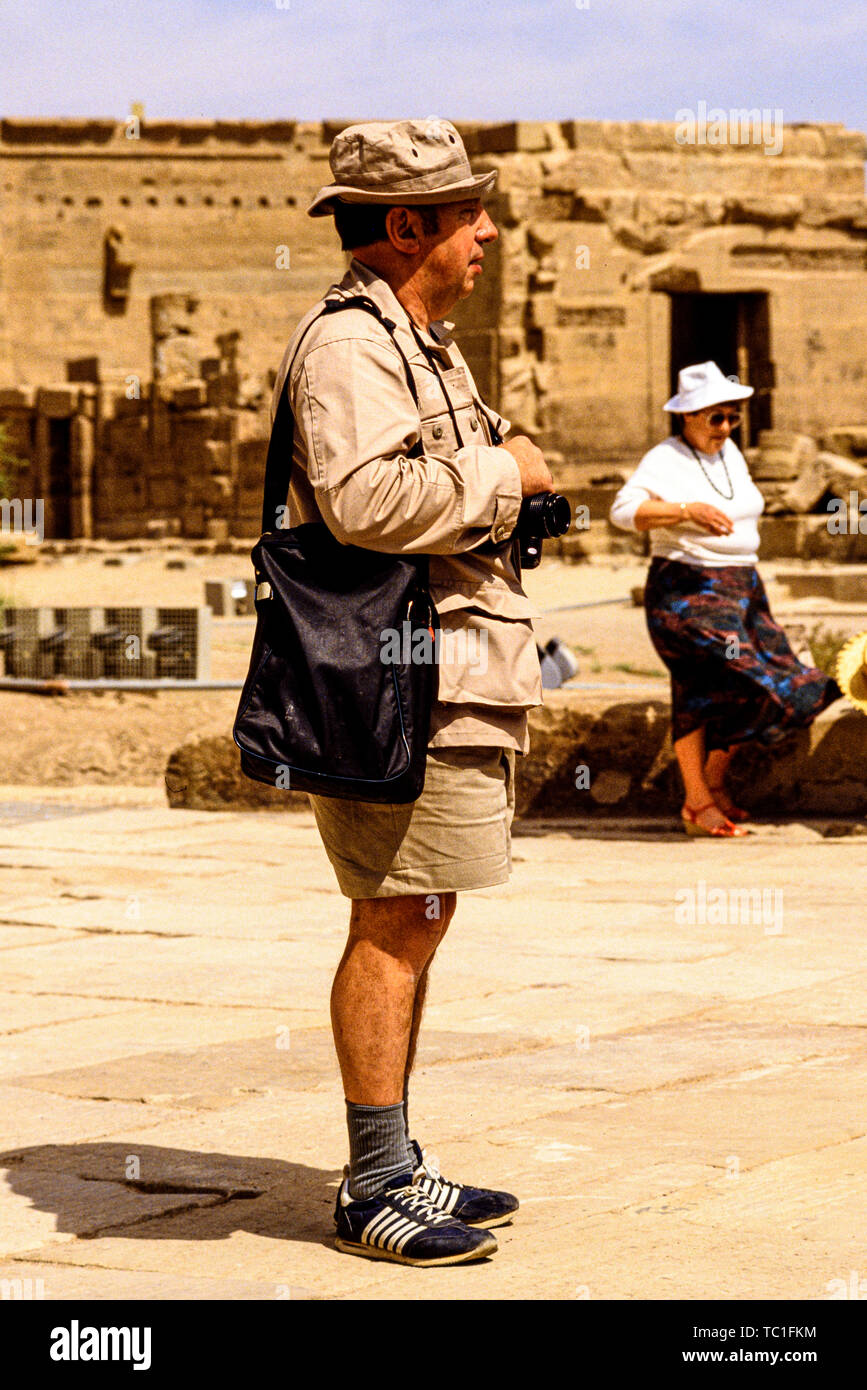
column 543, row 515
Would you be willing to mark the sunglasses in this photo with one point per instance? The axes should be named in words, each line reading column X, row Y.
column 731, row 417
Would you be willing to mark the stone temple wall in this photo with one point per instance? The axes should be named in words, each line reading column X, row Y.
column 622, row 254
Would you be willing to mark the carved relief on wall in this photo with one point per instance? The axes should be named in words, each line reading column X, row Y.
column 117, row 270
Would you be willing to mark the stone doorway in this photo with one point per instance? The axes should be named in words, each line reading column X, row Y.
column 59, row 480
column 732, row 330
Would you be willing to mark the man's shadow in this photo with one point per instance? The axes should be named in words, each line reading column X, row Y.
column 215, row 1194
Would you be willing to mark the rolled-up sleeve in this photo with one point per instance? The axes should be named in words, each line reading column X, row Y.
column 360, row 423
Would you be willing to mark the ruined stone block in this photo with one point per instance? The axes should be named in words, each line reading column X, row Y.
column 57, row 401
column 779, row 210
column 576, row 171
column 782, row 537
column 842, row 474
column 593, row 135
column 514, row 136
column 191, row 395
column 176, row 361
column 819, row 542
column 648, row 241
column 850, row 440
column 83, row 369
column 843, row 213
column 666, row 208
column 17, row 397
column 799, row 494
column 805, row 141
column 649, row 135
column 844, row 144
column 783, row 455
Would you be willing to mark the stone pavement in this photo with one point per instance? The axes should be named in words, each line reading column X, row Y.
column 658, row 1043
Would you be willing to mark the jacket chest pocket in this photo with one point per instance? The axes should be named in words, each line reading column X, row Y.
column 437, row 425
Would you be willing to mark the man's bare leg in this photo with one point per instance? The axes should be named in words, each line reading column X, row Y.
column 374, row 1013
column 447, row 903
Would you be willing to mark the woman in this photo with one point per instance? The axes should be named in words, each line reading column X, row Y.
column 734, row 678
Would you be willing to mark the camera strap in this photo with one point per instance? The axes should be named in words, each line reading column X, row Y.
column 432, row 362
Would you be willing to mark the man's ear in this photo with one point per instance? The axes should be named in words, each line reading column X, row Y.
column 404, row 229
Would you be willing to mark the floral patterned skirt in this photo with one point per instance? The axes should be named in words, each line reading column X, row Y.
column 732, row 669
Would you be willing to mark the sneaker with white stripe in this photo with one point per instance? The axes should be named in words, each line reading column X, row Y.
column 474, row 1206
column 401, row 1223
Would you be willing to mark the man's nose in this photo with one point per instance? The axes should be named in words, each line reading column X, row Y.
column 486, row 230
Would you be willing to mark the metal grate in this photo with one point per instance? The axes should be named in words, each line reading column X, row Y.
column 106, row 643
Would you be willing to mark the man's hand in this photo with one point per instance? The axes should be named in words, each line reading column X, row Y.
column 535, row 474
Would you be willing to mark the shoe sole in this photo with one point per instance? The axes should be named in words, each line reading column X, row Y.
column 492, row 1221
column 372, row 1252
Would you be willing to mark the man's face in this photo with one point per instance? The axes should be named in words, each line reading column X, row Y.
column 454, row 254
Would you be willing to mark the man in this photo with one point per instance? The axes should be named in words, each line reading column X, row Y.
column 430, row 479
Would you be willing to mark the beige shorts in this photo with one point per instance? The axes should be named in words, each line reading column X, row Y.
column 455, row 836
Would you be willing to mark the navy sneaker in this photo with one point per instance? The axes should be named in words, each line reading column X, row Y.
column 402, row 1224
column 474, row 1206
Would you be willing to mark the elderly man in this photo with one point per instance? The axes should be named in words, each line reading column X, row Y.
column 433, row 479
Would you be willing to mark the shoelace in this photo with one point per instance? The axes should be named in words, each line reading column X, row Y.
column 430, row 1164
column 419, row 1202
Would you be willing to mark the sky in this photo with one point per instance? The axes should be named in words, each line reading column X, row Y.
column 458, row 59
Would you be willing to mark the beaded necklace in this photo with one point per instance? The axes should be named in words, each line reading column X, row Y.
column 731, row 492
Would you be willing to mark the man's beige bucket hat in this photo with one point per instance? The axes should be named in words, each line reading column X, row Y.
column 399, row 162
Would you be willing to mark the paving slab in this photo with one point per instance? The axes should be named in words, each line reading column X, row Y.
column 160, row 970
column 30, row 1116
column 86, row 1208
column 840, row 1001
column 86, row 1043
column 44, row 1279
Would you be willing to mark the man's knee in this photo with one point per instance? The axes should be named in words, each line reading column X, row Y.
column 409, row 928
column 440, row 909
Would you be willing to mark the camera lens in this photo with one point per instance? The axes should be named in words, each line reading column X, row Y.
column 547, row 514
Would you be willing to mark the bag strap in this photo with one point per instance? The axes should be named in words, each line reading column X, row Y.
column 282, row 441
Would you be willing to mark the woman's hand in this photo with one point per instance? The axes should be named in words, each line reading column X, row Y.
column 708, row 518
column 654, row 512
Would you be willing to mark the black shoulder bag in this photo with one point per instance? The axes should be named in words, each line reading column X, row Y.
column 333, row 702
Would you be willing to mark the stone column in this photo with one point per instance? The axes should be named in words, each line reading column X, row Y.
column 81, row 471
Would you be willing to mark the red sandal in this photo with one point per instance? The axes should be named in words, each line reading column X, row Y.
column 734, row 813
column 727, row 831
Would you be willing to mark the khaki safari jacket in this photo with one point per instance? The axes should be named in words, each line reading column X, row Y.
column 355, row 421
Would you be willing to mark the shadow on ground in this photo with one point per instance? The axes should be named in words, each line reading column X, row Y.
column 87, row 1188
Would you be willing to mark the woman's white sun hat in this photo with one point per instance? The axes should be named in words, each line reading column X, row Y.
column 703, row 385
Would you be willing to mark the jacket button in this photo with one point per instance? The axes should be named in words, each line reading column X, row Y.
column 474, row 424
column 437, row 431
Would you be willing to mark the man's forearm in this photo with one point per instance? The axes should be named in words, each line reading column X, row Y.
column 426, row 504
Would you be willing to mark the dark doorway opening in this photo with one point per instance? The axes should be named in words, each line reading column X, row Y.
column 58, row 514
column 734, row 331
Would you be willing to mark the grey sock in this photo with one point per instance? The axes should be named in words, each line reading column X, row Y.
column 406, row 1114
column 377, row 1147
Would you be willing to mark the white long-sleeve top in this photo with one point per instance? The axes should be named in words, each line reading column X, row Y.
column 670, row 472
